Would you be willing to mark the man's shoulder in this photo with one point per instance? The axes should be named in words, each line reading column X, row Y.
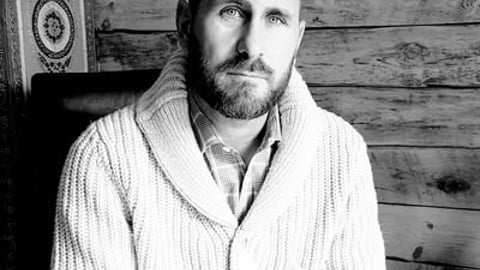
column 336, row 129
column 113, row 127
column 121, row 118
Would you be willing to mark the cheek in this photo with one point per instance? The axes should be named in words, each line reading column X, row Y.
column 281, row 55
column 217, row 43
column 281, row 63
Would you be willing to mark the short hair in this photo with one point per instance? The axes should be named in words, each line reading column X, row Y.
column 193, row 5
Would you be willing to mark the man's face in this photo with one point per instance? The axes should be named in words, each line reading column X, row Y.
column 241, row 53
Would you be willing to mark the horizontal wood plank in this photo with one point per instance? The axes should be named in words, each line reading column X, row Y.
column 160, row 14
column 398, row 265
column 403, row 56
column 157, row 15
column 423, row 176
column 388, row 12
column 126, row 51
column 434, row 235
column 414, row 117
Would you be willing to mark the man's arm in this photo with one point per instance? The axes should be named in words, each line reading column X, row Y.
column 91, row 228
column 359, row 243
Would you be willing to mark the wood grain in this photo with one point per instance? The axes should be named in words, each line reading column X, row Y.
column 398, row 56
column 126, row 51
column 135, row 14
column 424, row 234
column 160, row 14
column 402, row 57
column 397, row 265
column 388, row 12
column 414, row 117
column 423, row 176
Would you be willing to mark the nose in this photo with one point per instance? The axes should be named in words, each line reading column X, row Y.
column 250, row 41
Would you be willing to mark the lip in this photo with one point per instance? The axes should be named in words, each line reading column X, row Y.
column 247, row 74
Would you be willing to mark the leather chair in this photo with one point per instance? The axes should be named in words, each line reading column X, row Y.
column 60, row 108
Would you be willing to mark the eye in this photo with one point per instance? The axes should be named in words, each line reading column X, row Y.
column 231, row 12
column 273, row 19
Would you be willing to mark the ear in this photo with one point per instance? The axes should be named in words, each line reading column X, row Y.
column 300, row 38
column 183, row 20
column 300, row 35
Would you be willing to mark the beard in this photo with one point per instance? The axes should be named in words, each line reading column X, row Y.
column 233, row 98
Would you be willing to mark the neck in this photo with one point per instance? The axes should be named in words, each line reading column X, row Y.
column 243, row 135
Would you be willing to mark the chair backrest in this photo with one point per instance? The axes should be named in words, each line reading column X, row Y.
column 60, row 107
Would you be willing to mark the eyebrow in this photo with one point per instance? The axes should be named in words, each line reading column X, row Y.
column 238, row 2
column 277, row 11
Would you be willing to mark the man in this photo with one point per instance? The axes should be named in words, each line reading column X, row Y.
column 225, row 163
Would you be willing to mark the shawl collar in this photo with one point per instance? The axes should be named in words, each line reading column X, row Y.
column 163, row 117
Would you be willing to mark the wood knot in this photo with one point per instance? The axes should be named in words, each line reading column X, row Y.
column 468, row 7
column 172, row 38
column 106, row 25
column 451, row 184
column 399, row 174
column 430, row 226
column 412, row 50
column 417, row 253
column 317, row 20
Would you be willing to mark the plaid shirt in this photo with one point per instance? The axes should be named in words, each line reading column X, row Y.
column 239, row 182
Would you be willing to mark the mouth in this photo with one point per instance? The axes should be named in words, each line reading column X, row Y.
column 247, row 74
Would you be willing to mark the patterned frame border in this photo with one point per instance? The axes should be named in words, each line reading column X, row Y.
column 87, row 31
column 36, row 34
column 12, row 102
column 90, row 34
column 13, row 109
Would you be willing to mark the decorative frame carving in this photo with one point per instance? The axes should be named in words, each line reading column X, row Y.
column 12, row 109
column 89, row 15
column 56, row 36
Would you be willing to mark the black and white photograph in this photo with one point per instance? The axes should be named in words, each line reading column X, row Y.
column 240, row 134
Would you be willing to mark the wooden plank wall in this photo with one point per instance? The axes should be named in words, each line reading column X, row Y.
column 405, row 73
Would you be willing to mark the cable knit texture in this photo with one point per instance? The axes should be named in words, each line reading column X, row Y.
column 136, row 193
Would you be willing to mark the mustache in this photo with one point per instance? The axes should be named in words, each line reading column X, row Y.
column 241, row 63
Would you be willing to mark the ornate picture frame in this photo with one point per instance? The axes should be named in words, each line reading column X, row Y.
column 33, row 34
column 56, row 36
column 11, row 107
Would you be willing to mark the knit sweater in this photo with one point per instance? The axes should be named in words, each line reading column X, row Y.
column 136, row 193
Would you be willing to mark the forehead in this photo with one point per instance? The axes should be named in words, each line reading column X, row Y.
column 292, row 6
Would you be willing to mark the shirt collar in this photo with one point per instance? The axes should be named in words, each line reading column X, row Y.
column 207, row 135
